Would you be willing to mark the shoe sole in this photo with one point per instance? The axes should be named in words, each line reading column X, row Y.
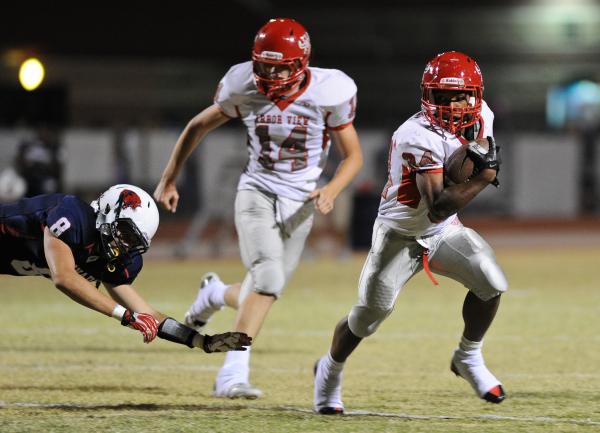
column 236, row 397
column 241, row 394
column 331, row 411
column 489, row 396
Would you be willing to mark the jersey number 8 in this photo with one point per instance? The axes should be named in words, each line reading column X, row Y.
column 60, row 226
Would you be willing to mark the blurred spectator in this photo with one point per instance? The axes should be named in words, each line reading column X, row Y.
column 39, row 163
column 12, row 186
column 365, row 203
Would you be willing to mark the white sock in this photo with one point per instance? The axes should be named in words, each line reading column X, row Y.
column 468, row 346
column 236, row 368
column 217, row 296
column 332, row 365
column 209, row 301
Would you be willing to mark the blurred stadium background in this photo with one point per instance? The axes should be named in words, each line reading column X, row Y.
column 122, row 80
column 120, row 84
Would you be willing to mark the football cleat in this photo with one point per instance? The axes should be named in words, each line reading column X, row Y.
column 189, row 321
column 327, row 391
column 238, row 390
column 470, row 366
column 200, row 312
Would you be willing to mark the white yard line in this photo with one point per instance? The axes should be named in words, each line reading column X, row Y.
column 524, row 419
column 534, row 419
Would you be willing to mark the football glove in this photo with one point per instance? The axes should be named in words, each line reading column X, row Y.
column 145, row 323
column 226, row 342
column 485, row 159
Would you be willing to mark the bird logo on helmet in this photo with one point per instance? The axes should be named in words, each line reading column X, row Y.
column 455, row 71
column 304, row 43
column 129, row 199
column 283, row 43
column 127, row 219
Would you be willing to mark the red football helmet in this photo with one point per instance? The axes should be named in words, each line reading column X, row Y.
column 281, row 42
column 452, row 70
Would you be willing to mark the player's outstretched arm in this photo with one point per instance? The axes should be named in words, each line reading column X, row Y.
column 127, row 296
column 205, row 121
column 64, row 276
column 171, row 330
column 348, row 144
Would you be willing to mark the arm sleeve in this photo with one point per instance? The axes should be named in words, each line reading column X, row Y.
column 423, row 156
column 488, row 120
column 342, row 115
column 226, row 97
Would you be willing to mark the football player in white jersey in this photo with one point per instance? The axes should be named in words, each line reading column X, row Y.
column 292, row 113
column 417, row 228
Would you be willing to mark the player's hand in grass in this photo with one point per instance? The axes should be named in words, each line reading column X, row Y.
column 145, row 323
column 226, row 342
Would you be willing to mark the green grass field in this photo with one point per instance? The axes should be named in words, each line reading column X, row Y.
column 66, row 369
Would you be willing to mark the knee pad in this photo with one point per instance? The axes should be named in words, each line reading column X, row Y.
column 364, row 321
column 269, row 278
column 492, row 282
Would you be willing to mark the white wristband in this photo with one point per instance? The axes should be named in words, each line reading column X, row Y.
column 118, row 312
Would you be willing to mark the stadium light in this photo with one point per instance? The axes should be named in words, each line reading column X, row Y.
column 31, row 74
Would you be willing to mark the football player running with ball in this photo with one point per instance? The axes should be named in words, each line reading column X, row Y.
column 78, row 246
column 291, row 112
column 417, row 228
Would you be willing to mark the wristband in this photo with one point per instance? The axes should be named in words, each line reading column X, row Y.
column 118, row 312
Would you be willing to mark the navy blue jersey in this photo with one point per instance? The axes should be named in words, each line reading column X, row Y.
column 71, row 220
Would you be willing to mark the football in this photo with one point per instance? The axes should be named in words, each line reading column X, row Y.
column 459, row 167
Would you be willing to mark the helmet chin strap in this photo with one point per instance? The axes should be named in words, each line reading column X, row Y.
column 115, row 251
column 280, row 91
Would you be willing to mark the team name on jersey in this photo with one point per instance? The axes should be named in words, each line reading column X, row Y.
column 85, row 275
column 279, row 119
column 25, row 267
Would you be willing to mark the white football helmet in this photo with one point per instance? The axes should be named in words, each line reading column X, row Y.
column 127, row 219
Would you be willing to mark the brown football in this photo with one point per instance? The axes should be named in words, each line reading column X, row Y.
column 459, row 166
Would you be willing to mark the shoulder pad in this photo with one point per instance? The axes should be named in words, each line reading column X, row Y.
column 486, row 112
column 331, row 87
column 239, row 80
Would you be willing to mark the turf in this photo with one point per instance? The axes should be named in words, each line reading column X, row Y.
column 65, row 368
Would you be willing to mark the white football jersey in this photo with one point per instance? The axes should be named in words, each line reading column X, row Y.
column 288, row 139
column 418, row 146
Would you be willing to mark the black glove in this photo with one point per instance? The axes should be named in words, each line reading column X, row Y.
column 485, row 159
